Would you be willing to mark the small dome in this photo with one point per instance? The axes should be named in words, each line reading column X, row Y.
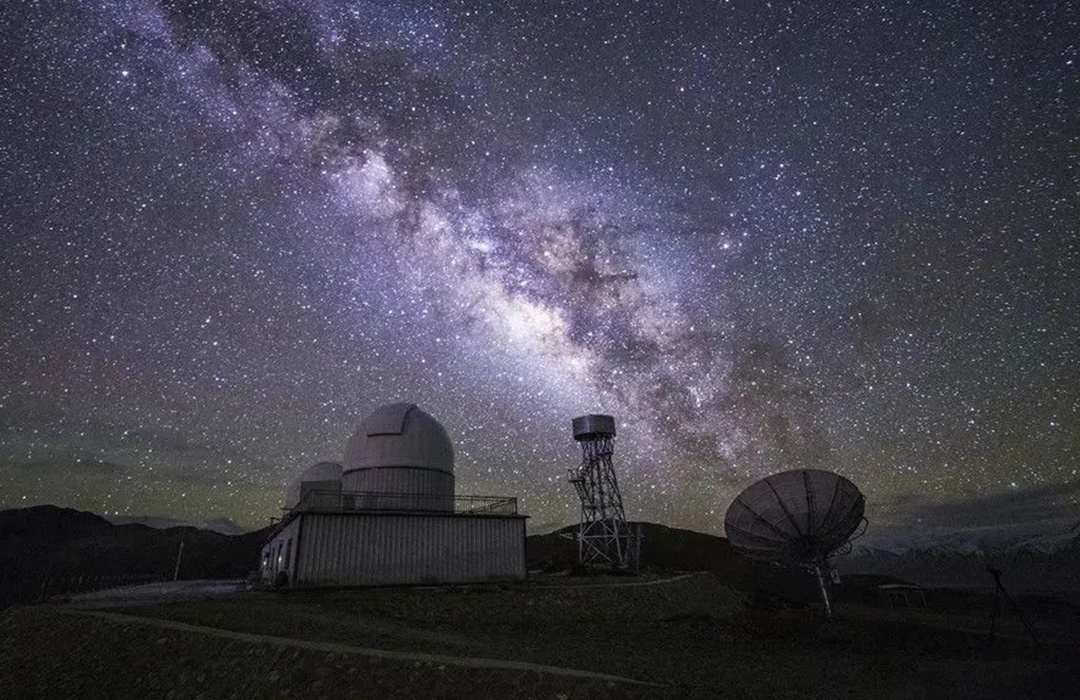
column 399, row 435
column 322, row 476
column 322, row 471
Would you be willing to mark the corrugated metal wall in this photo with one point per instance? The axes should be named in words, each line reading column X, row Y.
column 360, row 549
column 276, row 561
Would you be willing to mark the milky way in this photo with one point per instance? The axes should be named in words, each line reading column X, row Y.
column 763, row 236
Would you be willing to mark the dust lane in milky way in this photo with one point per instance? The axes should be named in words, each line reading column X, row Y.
column 764, row 237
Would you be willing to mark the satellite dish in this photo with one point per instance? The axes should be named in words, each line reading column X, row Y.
column 802, row 517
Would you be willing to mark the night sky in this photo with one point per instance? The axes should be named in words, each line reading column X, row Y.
column 762, row 235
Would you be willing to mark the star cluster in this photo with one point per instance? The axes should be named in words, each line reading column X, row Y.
column 762, row 235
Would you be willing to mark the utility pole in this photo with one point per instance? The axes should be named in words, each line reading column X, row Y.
column 176, row 571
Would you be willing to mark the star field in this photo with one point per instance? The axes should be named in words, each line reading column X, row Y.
column 762, row 235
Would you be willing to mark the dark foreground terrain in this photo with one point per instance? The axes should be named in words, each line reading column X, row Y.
column 663, row 637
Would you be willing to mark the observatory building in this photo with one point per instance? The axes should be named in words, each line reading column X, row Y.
column 390, row 514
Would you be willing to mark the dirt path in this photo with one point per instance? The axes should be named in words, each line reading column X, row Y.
column 625, row 584
column 359, row 651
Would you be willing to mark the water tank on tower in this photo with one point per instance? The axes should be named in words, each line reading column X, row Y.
column 603, row 534
column 400, row 449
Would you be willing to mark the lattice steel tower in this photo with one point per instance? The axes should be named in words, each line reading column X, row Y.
column 604, row 535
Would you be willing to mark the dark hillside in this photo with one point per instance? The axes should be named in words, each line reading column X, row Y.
column 51, row 548
column 671, row 549
column 1023, row 567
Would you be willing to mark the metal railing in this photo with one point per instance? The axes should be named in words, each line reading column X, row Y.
column 360, row 501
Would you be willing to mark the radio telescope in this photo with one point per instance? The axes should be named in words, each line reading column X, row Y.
column 801, row 517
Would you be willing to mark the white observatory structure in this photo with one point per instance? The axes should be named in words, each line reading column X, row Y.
column 322, row 477
column 400, row 449
column 390, row 514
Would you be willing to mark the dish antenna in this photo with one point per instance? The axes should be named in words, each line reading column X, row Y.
column 801, row 517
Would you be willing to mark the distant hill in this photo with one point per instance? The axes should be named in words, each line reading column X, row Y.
column 225, row 526
column 55, row 545
column 1023, row 568
column 667, row 548
column 663, row 548
column 59, row 546
column 47, row 544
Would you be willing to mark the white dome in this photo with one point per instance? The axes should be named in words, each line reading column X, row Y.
column 400, row 450
column 322, row 471
column 323, row 476
column 399, row 435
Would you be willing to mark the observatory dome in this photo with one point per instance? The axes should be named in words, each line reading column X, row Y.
column 322, row 476
column 400, row 448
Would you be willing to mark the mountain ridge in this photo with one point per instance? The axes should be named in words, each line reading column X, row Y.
column 42, row 544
